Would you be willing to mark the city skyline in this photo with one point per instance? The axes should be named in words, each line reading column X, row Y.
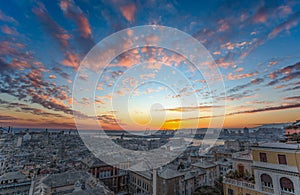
column 254, row 45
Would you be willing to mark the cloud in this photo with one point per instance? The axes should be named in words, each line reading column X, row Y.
column 238, row 96
column 266, row 109
column 190, row 109
column 274, row 108
column 7, row 118
column 59, row 71
column 191, row 118
column 52, row 76
column 4, row 66
column 290, row 73
column 75, row 13
column 9, row 30
column 5, row 18
column 240, row 76
column 261, row 15
column 223, row 25
column 128, row 12
column 293, row 88
column 287, row 25
column 285, row 70
column 109, row 122
column 19, row 107
column 292, row 98
column 56, row 31
column 240, row 87
column 71, row 60
column 31, row 88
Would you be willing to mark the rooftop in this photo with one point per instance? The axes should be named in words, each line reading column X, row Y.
column 204, row 164
column 279, row 145
column 63, row 179
column 168, row 173
column 243, row 155
column 12, row 176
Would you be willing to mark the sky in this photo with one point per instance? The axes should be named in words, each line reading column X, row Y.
column 255, row 45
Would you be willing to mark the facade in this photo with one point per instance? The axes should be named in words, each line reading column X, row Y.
column 115, row 178
column 211, row 171
column 275, row 168
column 224, row 166
column 168, row 181
column 242, row 162
column 140, row 182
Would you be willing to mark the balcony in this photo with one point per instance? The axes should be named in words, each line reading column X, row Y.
column 268, row 189
column 238, row 183
column 287, row 193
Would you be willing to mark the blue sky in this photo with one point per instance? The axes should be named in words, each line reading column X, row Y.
column 255, row 45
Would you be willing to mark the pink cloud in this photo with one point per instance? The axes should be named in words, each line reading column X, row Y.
column 239, row 69
column 20, row 64
column 71, row 60
column 223, row 26
column 224, row 64
column 285, row 26
column 284, row 11
column 56, row 31
column 260, row 16
column 7, row 30
column 6, row 18
column 240, row 76
column 128, row 12
column 74, row 12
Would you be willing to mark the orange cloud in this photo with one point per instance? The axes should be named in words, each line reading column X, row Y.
column 71, row 60
column 74, row 12
column 240, row 76
column 128, row 12
column 52, row 76
column 84, row 26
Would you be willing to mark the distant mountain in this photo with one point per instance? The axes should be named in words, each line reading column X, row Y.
column 274, row 125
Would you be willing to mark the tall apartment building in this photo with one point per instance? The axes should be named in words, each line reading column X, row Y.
column 275, row 169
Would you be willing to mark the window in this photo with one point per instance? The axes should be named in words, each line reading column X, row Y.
column 241, row 169
column 230, row 191
column 263, row 157
column 282, row 159
column 286, row 185
column 266, row 180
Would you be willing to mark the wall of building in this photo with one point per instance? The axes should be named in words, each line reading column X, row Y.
column 138, row 183
column 240, row 190
column 292, row 156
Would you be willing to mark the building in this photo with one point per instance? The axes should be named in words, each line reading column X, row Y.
column 294, row 128
column 275, row 169
column 242, row 162
column 246, row 132
column 169, row 181
column 232, row 145
column 111, row 176
column 224, row 165
column 76, row 182
column 14, row 183
column 140, row 182
column 211, row 171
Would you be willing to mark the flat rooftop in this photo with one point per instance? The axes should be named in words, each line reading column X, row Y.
column 279, row 145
